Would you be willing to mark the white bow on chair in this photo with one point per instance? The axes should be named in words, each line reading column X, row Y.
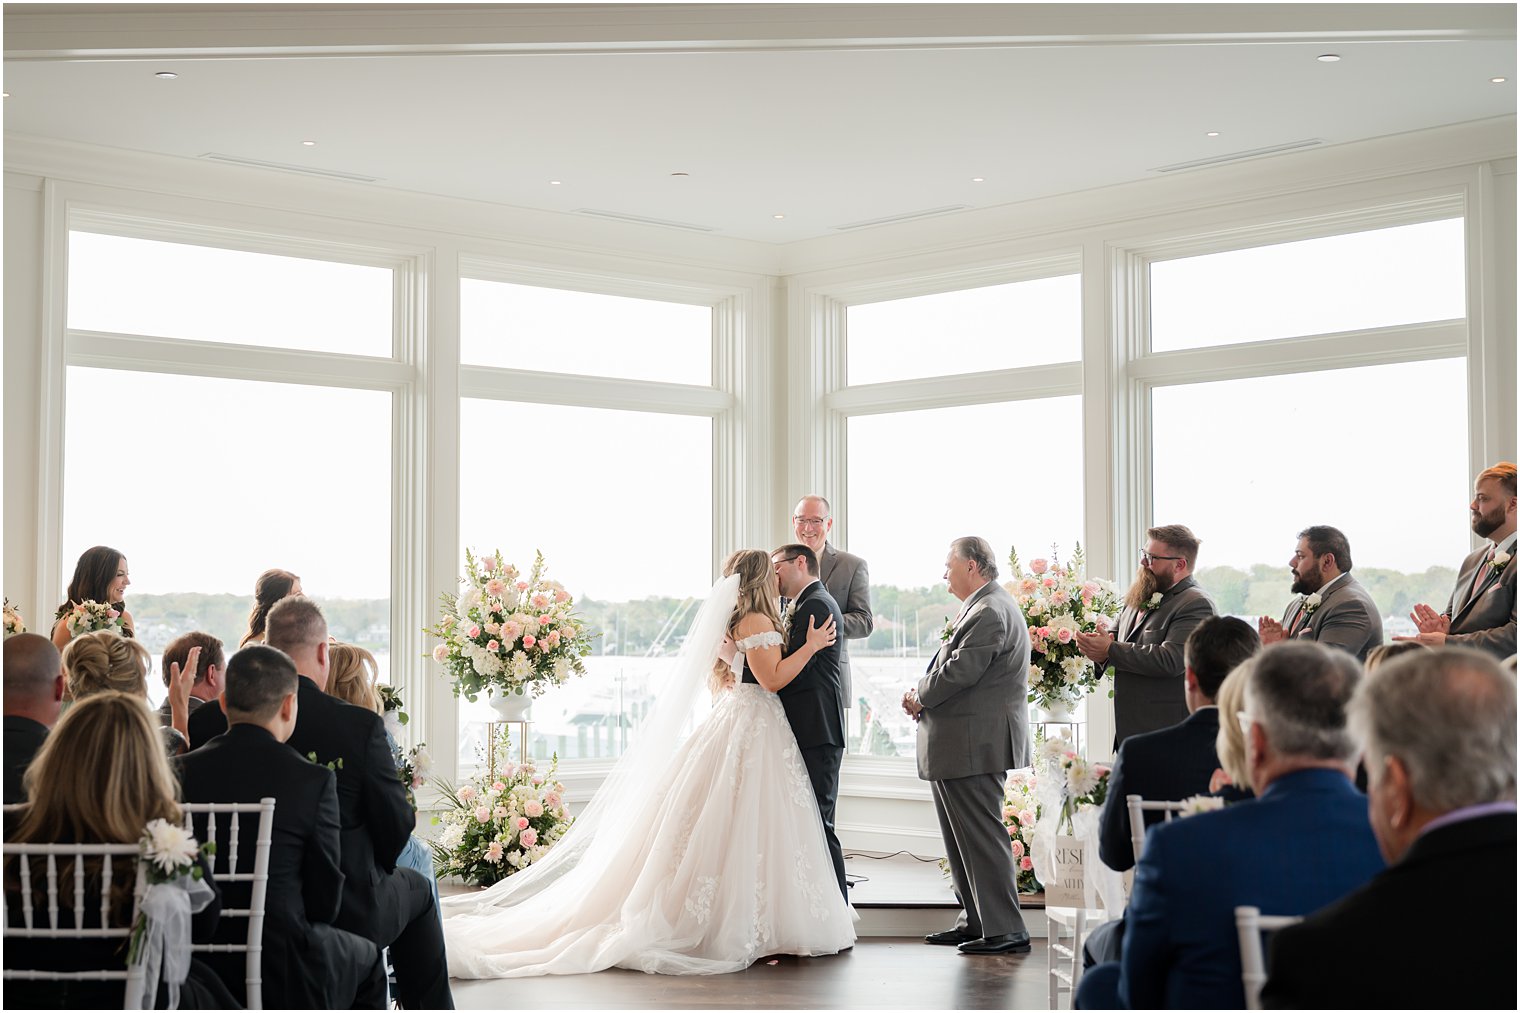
column 164, row 948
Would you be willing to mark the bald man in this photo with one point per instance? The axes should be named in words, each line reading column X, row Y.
column 33, row 697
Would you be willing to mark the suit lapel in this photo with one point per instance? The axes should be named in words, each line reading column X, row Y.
column 826, row 564
column 1474, row 582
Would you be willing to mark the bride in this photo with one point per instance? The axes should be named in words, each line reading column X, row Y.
column 704, row 850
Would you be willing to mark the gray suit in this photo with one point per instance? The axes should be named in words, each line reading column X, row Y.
column 1486, row 619
column 1347, row 618
column 973, row 729
column 845, row 577
column 1147, row 658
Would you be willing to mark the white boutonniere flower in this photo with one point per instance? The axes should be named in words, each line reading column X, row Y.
column 1500, row 561
column 948, row 631
column 1311, row 602
column 786, row 619
column 1154, row 602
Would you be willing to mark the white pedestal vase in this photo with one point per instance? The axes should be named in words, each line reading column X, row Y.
column 511, row 706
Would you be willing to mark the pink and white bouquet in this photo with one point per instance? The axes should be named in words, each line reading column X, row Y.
column 1021, row 811
column 91, row 616
column 1059, row 602
column 505, row 634
column 14, row 623
column 501, row 822
column 1080, row 782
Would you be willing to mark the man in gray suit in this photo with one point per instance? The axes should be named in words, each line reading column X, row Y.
column 973, row 727
column 1481, row 611
column 1162, row 607
column 844, row 576
column 1332, row 607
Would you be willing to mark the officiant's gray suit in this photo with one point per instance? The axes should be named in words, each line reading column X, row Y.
column 973, row 729
column 1347, row 618
column 1482, row 605
column 1147, row 658
column 846, row 578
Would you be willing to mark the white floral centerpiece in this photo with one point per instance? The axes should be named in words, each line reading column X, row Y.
column 1059, row 602
column 1072, row 790
column 92, row 616
column 496, row 825
column 14, row 623
column 507, row 635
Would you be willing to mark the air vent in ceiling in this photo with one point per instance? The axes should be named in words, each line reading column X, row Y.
column 910, row 216
column 1240, row 156
column 305, row 170
column 618, row 216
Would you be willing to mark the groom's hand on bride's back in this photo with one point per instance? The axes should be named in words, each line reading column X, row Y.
column 820, row 637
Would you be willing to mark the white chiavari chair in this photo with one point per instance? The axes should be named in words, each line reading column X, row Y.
column 226, row 833
column 1250, row 923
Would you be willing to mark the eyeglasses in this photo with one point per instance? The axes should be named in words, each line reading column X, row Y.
column 809, row 522
column 1147, row 557
column 788, row 559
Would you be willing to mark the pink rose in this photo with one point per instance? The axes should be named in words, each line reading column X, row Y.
column 493, row 853
column 1044, row 632
column 1101, row 770
column 522, row 585
column 507, row 771
column 529, row 640
column 483, row 813
column 528, row 838
column 1026, row 863
column 533, row 808
column 1012, row 831
column 551, row 799
column 1048, row 581
column 1018, row 849
column 553, row 639
column 499, row 785
column 538, row 779
column 1063, row 635
column 1038, row 566
column 522, row 822
column 1026, row 817
column 112, row 613
column 495, row 645
column 1037, row 646
column 466, row 793
column 488, row 564
column 441, row 653
column 473, row 631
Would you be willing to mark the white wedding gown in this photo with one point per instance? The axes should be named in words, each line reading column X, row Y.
column 720, row 862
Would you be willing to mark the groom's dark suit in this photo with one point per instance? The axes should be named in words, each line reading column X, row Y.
column 814, row 704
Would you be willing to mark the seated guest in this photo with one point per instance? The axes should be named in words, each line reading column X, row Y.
column 208, row 672
column 1301, row 844
column 103, row 661
column 1383, row 653
column 1175, row 763
column 1232, row 780
column 307, row 962
column 268, row 590
column 1333, row 608
column 389, row 906
column 1439, row 732
column 100, row 779
column 33, row 696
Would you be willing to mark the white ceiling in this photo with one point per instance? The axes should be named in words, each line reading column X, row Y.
column 872, row 113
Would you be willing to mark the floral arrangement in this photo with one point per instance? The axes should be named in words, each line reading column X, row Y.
column 498, row 824
column 1201, row 804
column 90, row 616
column 1021, row 811
column 13, row 622
column 412, row 765
column 508, row 635
column 1059, row 602
column 169, row 852
column 1082, row 783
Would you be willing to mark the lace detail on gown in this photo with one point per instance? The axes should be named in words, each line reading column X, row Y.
column 770, row 639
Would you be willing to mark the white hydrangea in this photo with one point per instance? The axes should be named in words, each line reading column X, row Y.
column 1074, row 668
column 1036, row 675
column 1064, row 621
column 452, row 836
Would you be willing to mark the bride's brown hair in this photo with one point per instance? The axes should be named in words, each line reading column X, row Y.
column 757, row 593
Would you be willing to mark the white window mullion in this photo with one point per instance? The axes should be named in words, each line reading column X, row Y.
column 1025, row 383
column 503, row 384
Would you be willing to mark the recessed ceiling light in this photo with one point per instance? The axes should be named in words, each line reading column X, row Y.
column 778, row 217
column 309, row 144
column 1497, row 80
column 1212, row 133
column 978, row 179
column 1328, row 58
column 556, row 182
column 166, row 75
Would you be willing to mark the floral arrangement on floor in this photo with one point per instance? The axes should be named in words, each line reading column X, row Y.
column 90, row 616
column 1021, row 811
column 412, row 765
column 13, row 622
column 1081, row 783
column 493, row 827
column 509, row 635
column 1058, row 602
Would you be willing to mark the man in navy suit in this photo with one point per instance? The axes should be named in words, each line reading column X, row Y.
column 1303, row 843
column 1439, row 732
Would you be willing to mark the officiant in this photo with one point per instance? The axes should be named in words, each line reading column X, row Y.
column 844, row 576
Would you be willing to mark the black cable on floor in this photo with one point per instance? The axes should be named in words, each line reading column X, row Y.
column 916, row 858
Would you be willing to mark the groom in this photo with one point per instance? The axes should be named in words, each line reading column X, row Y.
column 814, row 701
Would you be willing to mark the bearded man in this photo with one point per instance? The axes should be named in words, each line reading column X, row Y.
column 1332, row 608
column 1162, row 607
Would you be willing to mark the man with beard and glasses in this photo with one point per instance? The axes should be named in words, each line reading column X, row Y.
column 1162, row 607
column 1333, row 608
column 1481, row 610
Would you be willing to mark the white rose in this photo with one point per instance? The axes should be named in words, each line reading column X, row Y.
column 1501, row 558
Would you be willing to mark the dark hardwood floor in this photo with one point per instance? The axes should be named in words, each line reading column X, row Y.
column 879, row 973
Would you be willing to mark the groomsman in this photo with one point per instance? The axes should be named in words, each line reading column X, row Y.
column 1481, row 610
column 1162, row 607
column 1333, row 608
column 844, row 576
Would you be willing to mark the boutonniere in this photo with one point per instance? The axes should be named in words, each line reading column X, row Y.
column 1311, row 602
column 948, row 631
column 1154, row 602
column 786, row 619
column 1499, row 562
column 333, row 765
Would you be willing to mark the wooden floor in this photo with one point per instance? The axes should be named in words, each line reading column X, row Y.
column 890, row 973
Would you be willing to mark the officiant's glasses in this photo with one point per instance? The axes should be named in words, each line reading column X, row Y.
column 809, row 522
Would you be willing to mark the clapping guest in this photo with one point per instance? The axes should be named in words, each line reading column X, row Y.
column 209, row 670
column 103, row 661
column 268, row 590
column 33, row 696
column 99, row 576
column 100, row 779
column 1332, row 608
column 1438, row 728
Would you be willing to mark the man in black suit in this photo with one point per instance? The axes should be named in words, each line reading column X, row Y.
column 33, row 696
column 1438, row 729
column 307, row 962
column 389, row 906
column 814, row 700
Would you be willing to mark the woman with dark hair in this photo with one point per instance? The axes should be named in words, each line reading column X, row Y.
column 100, row 778
column 99, row 576
column 271, row 586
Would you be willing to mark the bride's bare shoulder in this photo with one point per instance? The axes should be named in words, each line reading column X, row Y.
column 752, row 623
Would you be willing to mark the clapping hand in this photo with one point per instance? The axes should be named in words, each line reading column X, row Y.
column 1429, row 620
column 1095, row 646
column 912, row 705
column 1269, row 629
column 819, row 637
